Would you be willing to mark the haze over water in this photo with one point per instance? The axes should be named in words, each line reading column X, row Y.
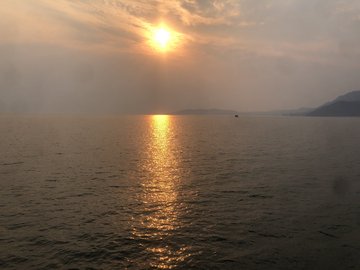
column 179, row 192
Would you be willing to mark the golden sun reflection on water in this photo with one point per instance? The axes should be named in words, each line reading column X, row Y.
column 160, row 196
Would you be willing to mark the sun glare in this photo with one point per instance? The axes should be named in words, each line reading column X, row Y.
column 164, row 39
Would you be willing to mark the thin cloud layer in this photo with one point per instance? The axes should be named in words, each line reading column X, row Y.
column 266, row 26
column 108, row 22
column 240, row 54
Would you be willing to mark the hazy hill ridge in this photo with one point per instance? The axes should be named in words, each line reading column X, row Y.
column 344, row 105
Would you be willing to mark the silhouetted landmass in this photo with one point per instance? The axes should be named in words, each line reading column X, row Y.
column 345, row 105
column 206, row 112
column 339, row 108
column 300, row 111
column 351, row 96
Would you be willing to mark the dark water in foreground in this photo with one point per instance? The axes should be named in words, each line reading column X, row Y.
column 179, row 193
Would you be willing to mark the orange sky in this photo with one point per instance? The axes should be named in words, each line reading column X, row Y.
column 237, row 54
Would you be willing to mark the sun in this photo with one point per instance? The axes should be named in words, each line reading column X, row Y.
column 164, row 39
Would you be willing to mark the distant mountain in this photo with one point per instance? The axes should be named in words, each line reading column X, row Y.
column 344, row 105
column 351, row 96
column 205, row 112
column 300, row 111
column 339, row 108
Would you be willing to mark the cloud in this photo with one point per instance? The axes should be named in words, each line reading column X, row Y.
column 231, row 51
column 123, row 25
column 120, row 24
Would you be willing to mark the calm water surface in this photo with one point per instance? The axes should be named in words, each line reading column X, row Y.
column 179, row 192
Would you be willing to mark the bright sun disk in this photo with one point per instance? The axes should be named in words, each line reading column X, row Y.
column 162, row 37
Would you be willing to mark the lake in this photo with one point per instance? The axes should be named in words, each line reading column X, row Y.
column 179, row 192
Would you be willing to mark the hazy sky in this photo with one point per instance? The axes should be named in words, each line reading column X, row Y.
column 247, row 55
